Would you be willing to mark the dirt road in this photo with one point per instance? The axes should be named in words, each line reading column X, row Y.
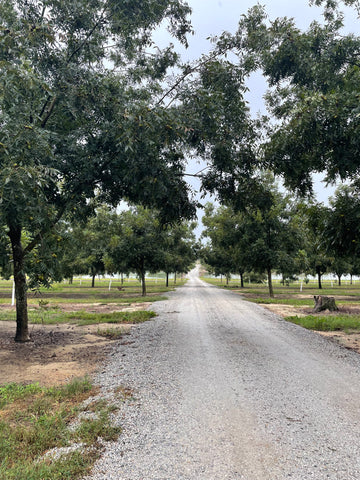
column 226, row 390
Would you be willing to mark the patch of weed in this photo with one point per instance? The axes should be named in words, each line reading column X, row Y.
column 88, row 318
column 13, row 391
column 112, row 333
column 35, row 420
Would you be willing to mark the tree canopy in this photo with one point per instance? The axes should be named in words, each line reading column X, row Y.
column 313, row 80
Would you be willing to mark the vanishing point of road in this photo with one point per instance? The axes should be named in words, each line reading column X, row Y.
column 225, row 390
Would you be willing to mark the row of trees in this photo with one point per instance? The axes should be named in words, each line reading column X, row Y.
column 132, row 241
column 109, row 242
column 285, row 236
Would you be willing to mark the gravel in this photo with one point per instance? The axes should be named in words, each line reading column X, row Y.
column 223, row 389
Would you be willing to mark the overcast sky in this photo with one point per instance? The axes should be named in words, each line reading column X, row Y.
column 212, row 17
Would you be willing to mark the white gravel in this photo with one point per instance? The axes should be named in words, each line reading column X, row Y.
column 225, row 390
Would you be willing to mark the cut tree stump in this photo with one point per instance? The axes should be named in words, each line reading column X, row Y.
column 324, row 303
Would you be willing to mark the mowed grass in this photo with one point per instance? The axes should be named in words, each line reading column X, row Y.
column 35, row 422
column 55, row 316
column 346, row 296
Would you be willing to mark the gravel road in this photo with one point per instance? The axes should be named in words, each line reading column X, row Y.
column 226, row 390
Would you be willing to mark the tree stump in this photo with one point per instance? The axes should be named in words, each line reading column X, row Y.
column 324, row 303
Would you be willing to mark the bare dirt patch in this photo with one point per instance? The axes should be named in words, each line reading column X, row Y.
column 58, row 353
column 348, row 340
column 286, row 310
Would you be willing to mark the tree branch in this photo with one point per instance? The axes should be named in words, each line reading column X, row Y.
column 188, row 71
column 49, row 112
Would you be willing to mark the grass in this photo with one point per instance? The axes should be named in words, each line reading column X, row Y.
column 112, row 333
column 329, row 323
column 283, row 301
column 35, row 420
column 55, row 316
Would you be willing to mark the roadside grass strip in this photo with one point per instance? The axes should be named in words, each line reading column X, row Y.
column 53, row 433
column 81, row 318
column 297, row 302
column 328, row 323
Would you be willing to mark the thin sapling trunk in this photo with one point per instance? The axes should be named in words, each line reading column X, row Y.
column 271, row 289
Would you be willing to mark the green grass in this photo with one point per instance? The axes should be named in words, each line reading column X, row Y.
column 34, row 420
column 56, row 316
column 283, row 301
column 328, row 323
column 86, row 318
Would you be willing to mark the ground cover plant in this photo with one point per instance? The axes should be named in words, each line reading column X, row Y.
column 35, row 422
column 53, row 316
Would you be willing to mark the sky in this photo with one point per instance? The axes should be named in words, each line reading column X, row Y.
column 212, row 17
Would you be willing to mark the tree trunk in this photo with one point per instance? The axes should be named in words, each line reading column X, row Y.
column 351, row 279
column 93, row 280
column 143, row 284
column 271, row 290
column 175, row 277
column 167, row 279
column 319, row 280
column 339, row 280
column 22, row 321
column 242, row 279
